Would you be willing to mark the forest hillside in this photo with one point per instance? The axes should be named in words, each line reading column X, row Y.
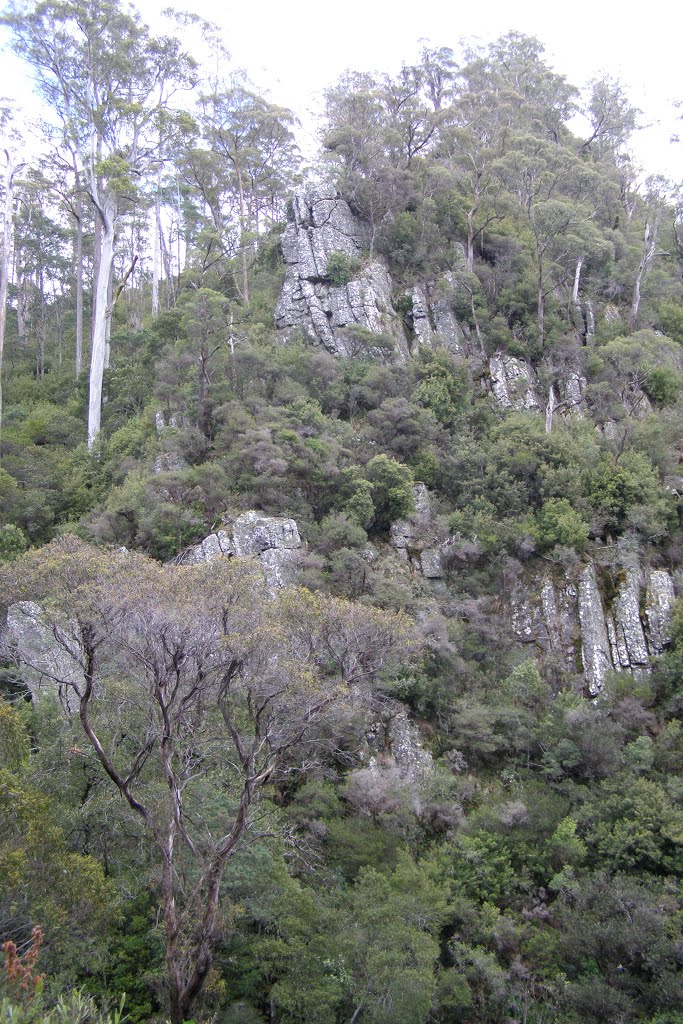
column 340, row 543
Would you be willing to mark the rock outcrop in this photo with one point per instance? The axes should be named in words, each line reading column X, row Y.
column 323, row 230
column 573, row 619
column 595, row 646
column 418, row 539
column 321, row 224
column 433, row 320
column 659, row 597
column 513, row 383
column 273, row 540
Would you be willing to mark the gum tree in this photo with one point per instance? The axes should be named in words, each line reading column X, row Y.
column 194, row 691
column 110, row 84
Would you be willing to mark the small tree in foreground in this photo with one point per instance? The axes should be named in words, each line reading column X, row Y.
column 187, row 683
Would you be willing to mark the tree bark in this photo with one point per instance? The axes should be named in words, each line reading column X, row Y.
column 156, row 254
column 99, row 333
column 576, row 302
column 243, row 226
column 541, row 305
column 108, row 312
column 550, row 409
column 649, row 248
column 11, row 169
column 78, row 214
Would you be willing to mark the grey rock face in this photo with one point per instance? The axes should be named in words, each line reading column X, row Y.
column 595, row 644
column 254, row 533
column 412, row 760
column 322, row 223
column 213, row 546
column 434, row 322
column 431, row 563
column 545, row 613
column 404, row 532
column 659, row 598
column 571, row 390
column 273, row 540
column 513, row 383
column 416, row 539
column 629, row 638
column 563, row 616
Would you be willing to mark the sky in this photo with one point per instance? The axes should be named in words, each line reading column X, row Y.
column 296, row 49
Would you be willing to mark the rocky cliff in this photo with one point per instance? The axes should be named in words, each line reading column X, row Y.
column 324, row 244
column 596, row 619
column 272, row 540
column 592, row 619
column 358, row 315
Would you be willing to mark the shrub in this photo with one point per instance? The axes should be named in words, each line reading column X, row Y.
column 341, row 268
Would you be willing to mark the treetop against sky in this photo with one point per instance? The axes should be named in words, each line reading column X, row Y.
column 582, row 43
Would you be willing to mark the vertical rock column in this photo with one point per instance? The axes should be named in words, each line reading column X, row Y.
column 595, row 646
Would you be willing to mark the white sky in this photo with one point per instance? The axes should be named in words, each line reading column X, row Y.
column 296, row 49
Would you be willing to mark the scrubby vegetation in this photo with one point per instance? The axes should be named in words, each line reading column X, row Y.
column 534, row 874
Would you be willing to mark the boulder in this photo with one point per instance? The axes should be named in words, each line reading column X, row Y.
column 273, row 540
column 513, row 383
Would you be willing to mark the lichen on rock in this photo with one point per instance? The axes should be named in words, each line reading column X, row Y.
column 273, row 540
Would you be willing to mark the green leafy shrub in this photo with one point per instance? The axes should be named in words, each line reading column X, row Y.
column 558, row 523
column 341, row 268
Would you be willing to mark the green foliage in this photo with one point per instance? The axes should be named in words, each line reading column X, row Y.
column 532, row 874
column 76, row 1007
column 558, row 523
column 12, row 542
column 341, row 268
column 392, row 494
column 671, row 317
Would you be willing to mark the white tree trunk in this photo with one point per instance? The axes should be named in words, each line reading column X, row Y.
column 79, row 285
column 577, row 281
column 6, row 252
column 550, row 409
column 649, row 250
column 156, row 247
column 107, row 315
column 99, row 331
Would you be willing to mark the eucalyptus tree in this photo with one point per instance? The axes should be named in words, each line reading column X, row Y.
column 612, row 118
column 219, row 691
column 12, row 165
column 109, row 84
column 656, row 201
column 557, row 195
column 248, row 162
column 539, row 100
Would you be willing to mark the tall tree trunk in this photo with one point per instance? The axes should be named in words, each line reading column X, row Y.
column 105, row 261
column 156, row 247
column 577, row 281
column 78, row 214
column 42, row 329
column 22, row 299
column 579, row 321
column 550, row 409
column 107, row 321
column 649, row 247
column 541, row 305
column 6, row 254
column 243, row 227
column 471, row 233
